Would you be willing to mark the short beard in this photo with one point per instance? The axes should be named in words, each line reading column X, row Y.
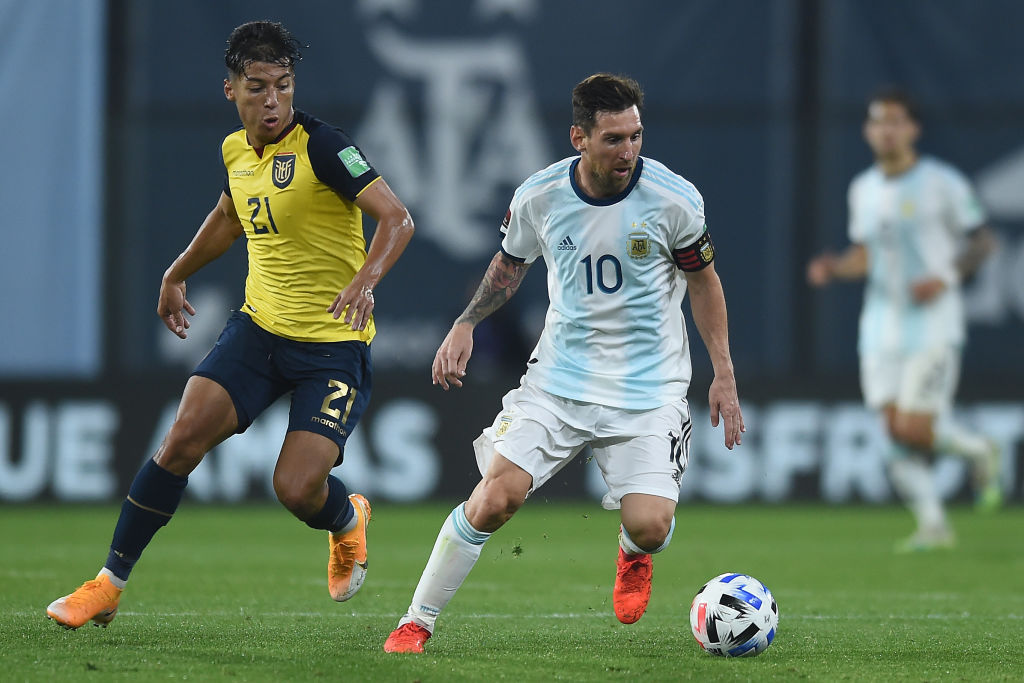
column 607, row 184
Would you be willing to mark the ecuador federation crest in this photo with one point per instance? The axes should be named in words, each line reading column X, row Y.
column 639, row 245
column 283, row 169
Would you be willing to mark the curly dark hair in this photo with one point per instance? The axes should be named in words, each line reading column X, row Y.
column 261, row 41
column 603, row 92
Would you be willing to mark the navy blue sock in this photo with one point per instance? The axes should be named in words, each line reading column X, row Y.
column 337, row 511
column 152, row 499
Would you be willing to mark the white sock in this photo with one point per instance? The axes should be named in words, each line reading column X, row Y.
column 953, row 438
column 456, row 550
column 116, row 581
column 350, row 526
column 631, row 548
column 913, row 479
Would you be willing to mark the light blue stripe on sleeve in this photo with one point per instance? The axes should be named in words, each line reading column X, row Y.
column 662, row 172
column 673, row 184
column 549, row 174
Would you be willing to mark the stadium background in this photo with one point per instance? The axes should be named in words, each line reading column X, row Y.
column 115, row 114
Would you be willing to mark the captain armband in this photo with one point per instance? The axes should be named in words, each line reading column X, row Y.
column 696, row 256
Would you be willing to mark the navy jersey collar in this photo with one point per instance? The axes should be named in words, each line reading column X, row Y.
column 281, row 136
column 604, row 201
column 289, row 128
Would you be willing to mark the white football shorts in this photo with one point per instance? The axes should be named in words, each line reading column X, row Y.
column 923, row 382
column 638, row 451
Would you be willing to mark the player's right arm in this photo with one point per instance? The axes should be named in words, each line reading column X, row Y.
column 502, row 279
column 217, row 233
column 850, row 264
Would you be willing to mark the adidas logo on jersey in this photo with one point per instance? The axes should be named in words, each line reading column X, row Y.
column 566, row 244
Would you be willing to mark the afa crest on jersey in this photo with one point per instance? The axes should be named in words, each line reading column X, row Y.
column 707, row 252
column 284, row 169
column 505, row 423
column 639, row 245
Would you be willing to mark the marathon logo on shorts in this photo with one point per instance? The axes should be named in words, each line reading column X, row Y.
column 697, row 256
column 329, row 423
column 284, row 169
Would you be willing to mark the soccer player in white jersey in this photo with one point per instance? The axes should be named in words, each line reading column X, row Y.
column 623, row 238
column 917, row 230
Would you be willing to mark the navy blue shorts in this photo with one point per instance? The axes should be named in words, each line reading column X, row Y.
column 330, row 382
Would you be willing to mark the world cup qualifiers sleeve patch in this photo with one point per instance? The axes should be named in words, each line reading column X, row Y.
column 506, row 220
column 696, row 256
column 354, row 161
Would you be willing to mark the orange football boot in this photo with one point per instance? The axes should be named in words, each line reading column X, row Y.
column 96, row 599
column 346, row 567
column 632, row 586
column 408, row 637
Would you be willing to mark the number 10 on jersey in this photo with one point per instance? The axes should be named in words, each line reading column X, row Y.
column 607, row 268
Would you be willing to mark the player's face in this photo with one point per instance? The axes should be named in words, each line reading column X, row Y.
column 608, row 154
column 263, row 95
column 890, row 131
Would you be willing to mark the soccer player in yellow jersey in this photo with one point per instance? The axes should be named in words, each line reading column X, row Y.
column 296, row 188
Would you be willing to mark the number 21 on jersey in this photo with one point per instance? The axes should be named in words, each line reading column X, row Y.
column 256, row 205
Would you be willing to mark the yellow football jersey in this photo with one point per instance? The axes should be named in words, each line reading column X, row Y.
column 303, row 232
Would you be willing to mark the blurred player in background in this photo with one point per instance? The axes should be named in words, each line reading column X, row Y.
column 296, row 188
column 917, row 231
column 623, row 238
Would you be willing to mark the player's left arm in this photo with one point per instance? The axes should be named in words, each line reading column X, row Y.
column 394, row 230
column 966, row 217
column 707, row 302
column 980, row 242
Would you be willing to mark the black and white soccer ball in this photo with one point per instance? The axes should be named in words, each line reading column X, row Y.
column 734, row 615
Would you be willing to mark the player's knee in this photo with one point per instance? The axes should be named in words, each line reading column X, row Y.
column 298, row 497
column 492, row 512
column 653, row 533
column 183, row 448
column 911, row 434
column 651, row 537
column 491, row 505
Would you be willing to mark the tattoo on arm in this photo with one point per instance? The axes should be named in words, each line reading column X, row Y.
column 979, row 245
column 500, row 282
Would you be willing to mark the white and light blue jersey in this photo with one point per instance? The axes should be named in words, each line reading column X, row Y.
column 614, row 331
column 911, row 226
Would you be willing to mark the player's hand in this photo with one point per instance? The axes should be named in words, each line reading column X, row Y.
column 172, row 306
column 925, row 290
column 356, row 302
column 452, row 356
column 725, row 403
column 820, row 269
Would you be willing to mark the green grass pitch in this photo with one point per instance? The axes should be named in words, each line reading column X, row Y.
column 239, row 594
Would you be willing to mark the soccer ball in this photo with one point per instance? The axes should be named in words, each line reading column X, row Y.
column 734, row 615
